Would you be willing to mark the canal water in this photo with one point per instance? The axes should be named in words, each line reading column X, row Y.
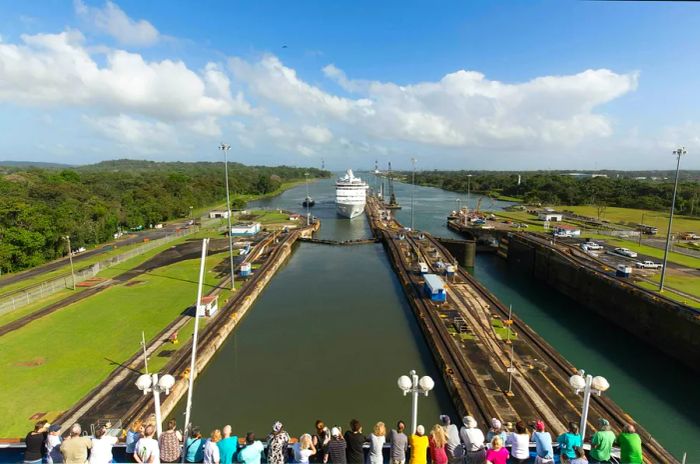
column 332, row 332
column 327, row 339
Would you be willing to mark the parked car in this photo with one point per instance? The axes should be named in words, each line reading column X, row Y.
column 648, row 265
column 625, row 252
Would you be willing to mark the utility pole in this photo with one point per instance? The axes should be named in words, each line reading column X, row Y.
column 413, row 190
column 678, row 153
column 225, row 148
column 70, row 258
column 469, row 188
column 641, row 231
column 193, row 359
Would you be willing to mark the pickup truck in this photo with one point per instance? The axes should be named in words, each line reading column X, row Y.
column 648, row 265
column 625, row 252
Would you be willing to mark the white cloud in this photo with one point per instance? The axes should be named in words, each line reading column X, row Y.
column 57, row 69
column 134, row 133
column 317, row 134
column 112, row 20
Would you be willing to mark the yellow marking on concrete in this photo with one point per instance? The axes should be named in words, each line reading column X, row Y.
column 573, row 406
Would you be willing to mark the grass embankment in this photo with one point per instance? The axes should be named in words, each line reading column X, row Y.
column 65, row 269
column 669, row 294
column 54, row 361
column 631, row 216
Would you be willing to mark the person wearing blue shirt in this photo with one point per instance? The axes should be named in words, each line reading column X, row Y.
column 251, row 452
column 569, row 440
column 543, row 444
column 194, row 446
column 228, row 446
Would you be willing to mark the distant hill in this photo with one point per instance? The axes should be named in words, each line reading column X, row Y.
column 35, row 164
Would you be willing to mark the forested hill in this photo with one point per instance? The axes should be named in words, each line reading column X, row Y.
column 89, row 203
column 562, row 189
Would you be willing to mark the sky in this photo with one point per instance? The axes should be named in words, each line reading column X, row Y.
column 456, row 85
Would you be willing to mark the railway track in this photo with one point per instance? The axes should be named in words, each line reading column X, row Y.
column 539, row 389
column 454, row 366
column 601, row 406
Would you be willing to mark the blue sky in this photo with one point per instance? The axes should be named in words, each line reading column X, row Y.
column 468, row 85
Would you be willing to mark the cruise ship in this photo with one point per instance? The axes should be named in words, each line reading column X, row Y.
column 350, row 195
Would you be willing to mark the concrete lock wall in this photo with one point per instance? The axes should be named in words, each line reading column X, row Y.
column 464, row 251
column 666, row 325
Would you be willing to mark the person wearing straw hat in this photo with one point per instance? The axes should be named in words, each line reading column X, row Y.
column 473, row 439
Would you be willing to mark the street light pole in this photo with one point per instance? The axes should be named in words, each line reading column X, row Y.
column 678, row 152
column 225, row 148
column 307, row 200
column 588, row 385
column 193, row 358
column 413, row 190
column 415, row 387
column 469, row 188
column 70, row 258
column 151, row 383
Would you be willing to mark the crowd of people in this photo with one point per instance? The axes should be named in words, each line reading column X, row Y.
column 446, row 443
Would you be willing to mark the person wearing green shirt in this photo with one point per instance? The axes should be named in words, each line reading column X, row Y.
column 630, row 446
column 601, row 443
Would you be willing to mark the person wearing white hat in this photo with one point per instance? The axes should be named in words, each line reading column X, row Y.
column 277, row 443
column 454, row 448
column 496, row 430
column 419, row 446
column 337, row 447
column 473, row 440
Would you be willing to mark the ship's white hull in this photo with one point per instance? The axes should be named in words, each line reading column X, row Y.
column 350, row 211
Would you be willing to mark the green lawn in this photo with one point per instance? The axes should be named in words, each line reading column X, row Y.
column 668, row 294
column 503, row 332
column 684, row 283
column 54, row 361
column 629, row 215
column 65, row 269
column 10, row 316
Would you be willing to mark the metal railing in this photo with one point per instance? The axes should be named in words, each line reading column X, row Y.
column 44, row 289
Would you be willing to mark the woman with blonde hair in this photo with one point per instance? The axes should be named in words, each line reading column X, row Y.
column 133, row 434
column 437, row 442
column 211, row 449
column 377, row 439
column 497, row 454
column 304, row 449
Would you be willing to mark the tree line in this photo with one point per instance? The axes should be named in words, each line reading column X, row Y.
column 38, row 207
column 561, row 189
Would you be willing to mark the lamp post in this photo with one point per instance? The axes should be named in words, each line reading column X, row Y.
column 413, row 189
column 587, row 385
column 150, row 383
column 225, row 148
column 415, row 387
column 70, row 258
column 469, row 188
column 678, row 153
column 307, row 200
